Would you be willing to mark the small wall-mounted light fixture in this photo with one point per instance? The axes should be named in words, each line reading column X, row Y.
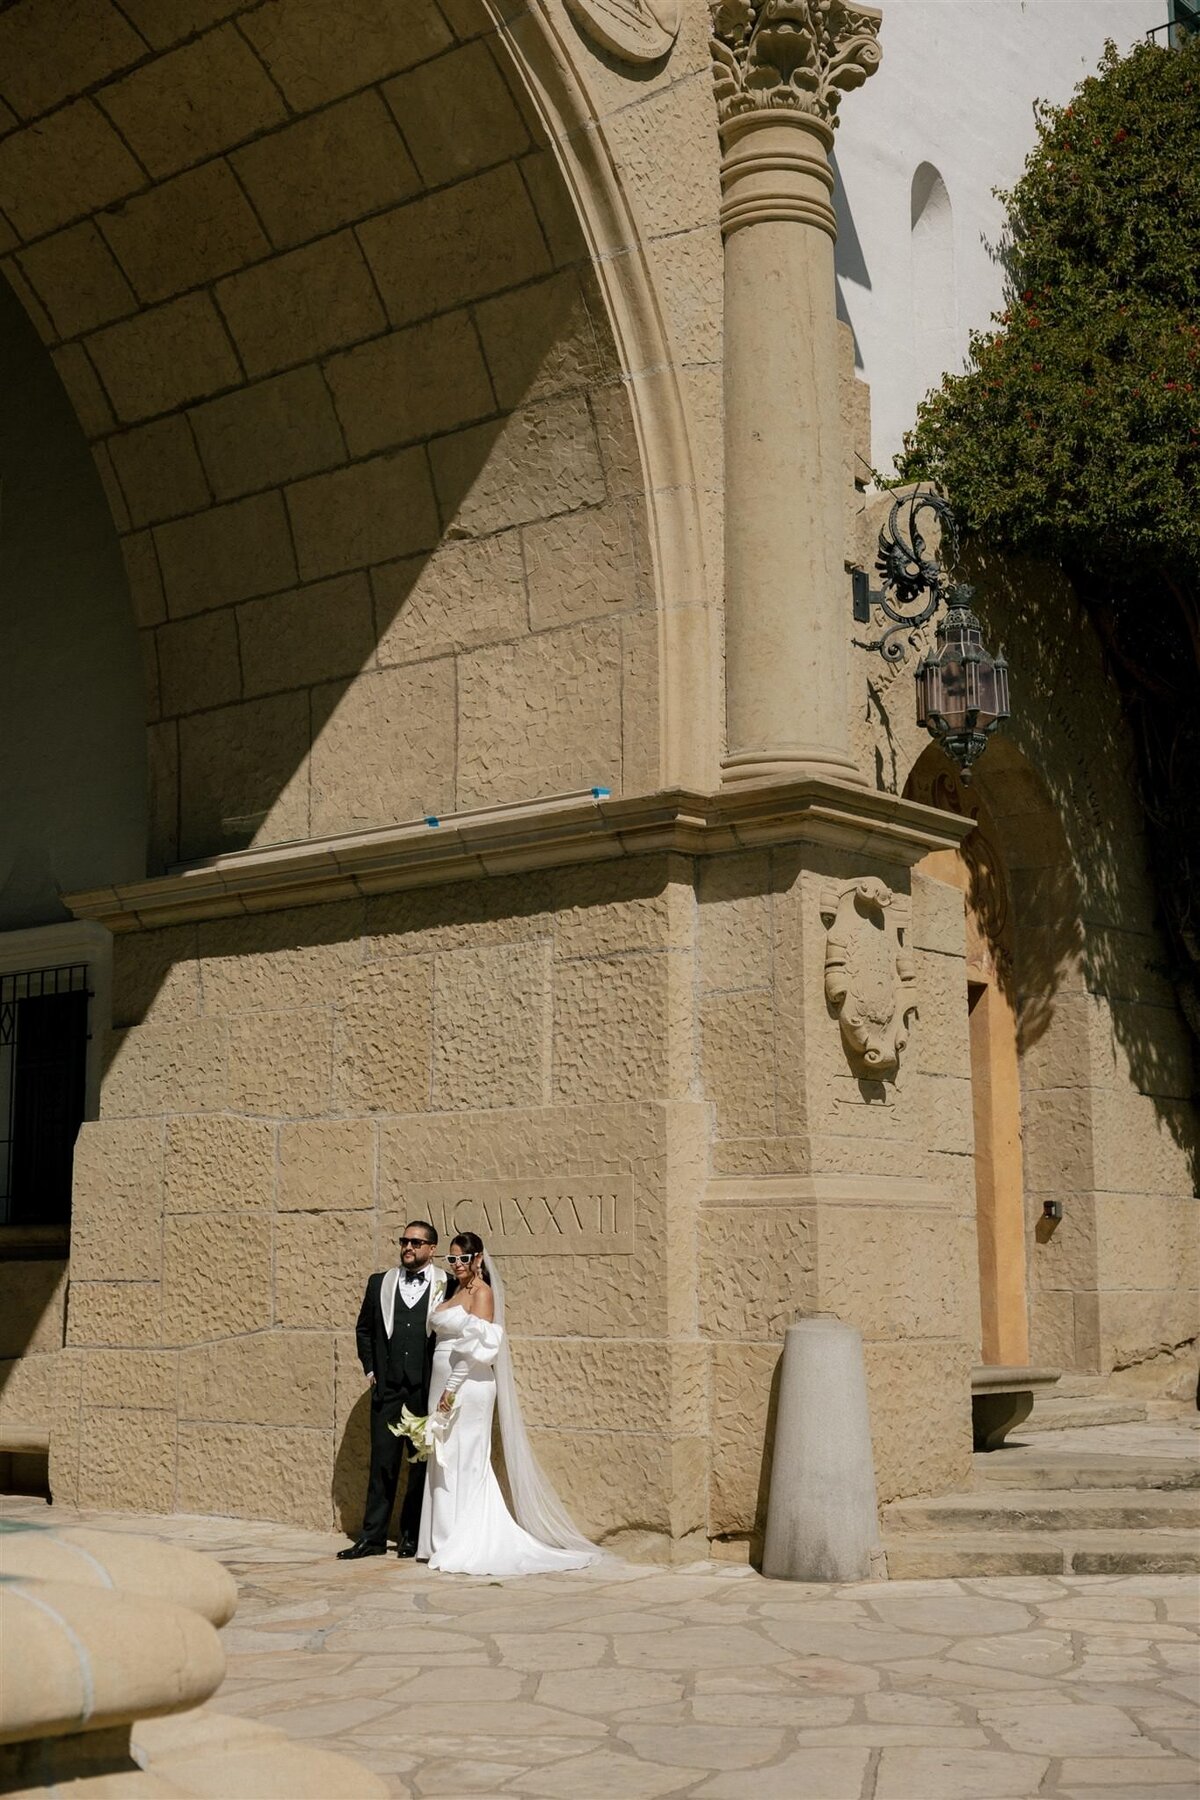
column 962, row 689
column 1052, row 1210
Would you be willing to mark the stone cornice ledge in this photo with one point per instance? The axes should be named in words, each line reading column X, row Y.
column 536, row 834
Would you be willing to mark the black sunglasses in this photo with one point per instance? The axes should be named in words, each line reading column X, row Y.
column 415, row 1243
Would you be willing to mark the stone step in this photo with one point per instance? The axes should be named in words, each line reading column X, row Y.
column 916, row 1557
column 1070, row 1413
column 1027, row 1467
column 1070, row 1510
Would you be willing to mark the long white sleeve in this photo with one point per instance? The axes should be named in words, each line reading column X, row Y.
column 477, row 1346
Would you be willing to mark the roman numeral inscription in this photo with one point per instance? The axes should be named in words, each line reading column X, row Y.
column 590, row 1217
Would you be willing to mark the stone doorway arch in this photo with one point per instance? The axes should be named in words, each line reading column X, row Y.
column 1031, row 1100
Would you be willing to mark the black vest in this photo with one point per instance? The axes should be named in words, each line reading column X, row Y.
column 407, row 1348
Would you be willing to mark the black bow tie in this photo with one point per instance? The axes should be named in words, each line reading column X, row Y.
column 414, row 1274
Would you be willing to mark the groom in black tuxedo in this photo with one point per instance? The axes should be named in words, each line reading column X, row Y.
column 395, row 1347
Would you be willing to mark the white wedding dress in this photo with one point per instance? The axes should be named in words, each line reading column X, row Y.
column 466, row 1528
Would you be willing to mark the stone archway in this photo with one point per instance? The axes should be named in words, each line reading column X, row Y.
column 364, row 331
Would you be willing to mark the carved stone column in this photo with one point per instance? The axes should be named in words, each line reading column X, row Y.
column 779, row 69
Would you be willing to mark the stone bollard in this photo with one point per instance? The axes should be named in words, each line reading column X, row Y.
column 822, row 1523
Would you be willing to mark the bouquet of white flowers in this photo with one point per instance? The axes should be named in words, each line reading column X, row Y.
column 422, row 1433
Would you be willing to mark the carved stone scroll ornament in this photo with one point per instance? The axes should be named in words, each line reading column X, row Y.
column 798, row 54
column 870, row 980
column 634, row 31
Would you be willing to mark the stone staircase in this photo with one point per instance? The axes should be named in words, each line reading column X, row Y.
column 1116, row 1497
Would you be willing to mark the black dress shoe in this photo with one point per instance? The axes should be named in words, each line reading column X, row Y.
column 363, row 1548
column 406, row 1546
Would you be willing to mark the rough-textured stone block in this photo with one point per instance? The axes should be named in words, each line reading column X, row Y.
column 429, row 378
column 544, row 339
column 450, row 139
column 198, row 662
column 606, row 1481
column 734, row 899
column 165, row 1068
column 184, row 232
column 743, row 1380
column 491, row 1026
column 1057, row 1145
column 244, row 775
column 257, row 1472
column 217, row 1276
column 294, row 640
column 737, row 1061
column 465, row 594
column 143, row 575
column 117, row 1201
column 1141, row 1144
column 159, row 471
column 228, row 553
column 155, row 976
column 602, row 908
column 894, row 1272
column 83, row 389
column 64, row 166
column 144, row 1379
column 322, row 1261
column 301, row 305
column 281, row 1063
column 1145, row 1241
column 564, row 686
column 919, row 1397
column 268, row 962
column 32, row 1296
column 273, row 431
column 382, row 1042
column 591, row 1384
column 541, row 461
column 156, row 112
column 272, row 1378
column 621, row 1027
column 313, row 64
column 115, row 1313
column 461, row 243
column 584, row 564
column 756, row 1270
column 366, row 513
column 937, row 915
column 27, row 1388
column 383, row 747
column 940, row 1038
column 43, row 65
column 77, row 281
column 165, row 357
column 1133, row 1327
column 127, row 1460
column 326, row 170
column 217, row 1161
column 326, row 1165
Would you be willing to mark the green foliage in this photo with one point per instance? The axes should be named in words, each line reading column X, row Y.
column 1076, row 429
column 1074, row 433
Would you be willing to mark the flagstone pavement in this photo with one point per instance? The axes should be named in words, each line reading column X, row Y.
column 638, row 1683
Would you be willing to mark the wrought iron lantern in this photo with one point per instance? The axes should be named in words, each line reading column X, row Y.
column 962, row 689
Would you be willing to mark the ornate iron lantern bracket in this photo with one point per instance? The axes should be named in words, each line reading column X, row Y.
column 962, row 689
column 915, row 584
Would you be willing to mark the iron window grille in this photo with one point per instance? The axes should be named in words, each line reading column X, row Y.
column 43, row 1090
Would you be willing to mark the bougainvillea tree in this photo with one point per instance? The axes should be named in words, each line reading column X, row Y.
column 1074, row 434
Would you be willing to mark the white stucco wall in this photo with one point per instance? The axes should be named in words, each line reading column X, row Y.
column 956, row 91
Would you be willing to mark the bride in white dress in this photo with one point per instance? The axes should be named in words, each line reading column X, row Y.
column 466, row 1528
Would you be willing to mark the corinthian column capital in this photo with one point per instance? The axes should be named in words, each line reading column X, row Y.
column 797, row 56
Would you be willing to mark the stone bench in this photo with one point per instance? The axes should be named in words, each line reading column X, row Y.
column 1002, row 1397
column 24, row 1459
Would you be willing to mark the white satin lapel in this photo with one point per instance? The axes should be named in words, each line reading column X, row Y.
column 387, row 1298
